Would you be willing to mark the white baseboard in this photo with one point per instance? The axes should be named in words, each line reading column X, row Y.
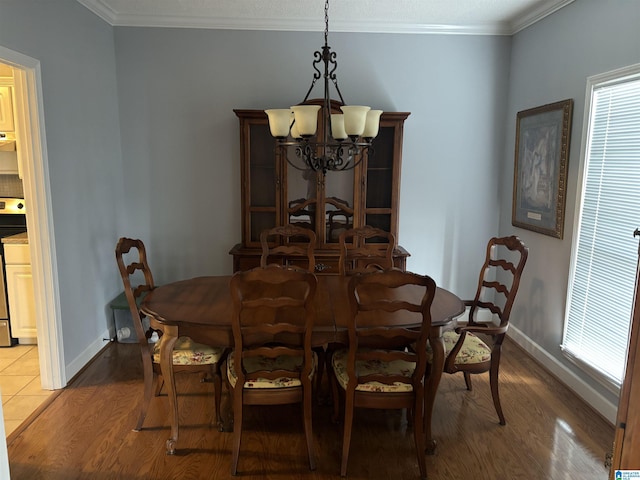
column 86, row 356
column 585, row 391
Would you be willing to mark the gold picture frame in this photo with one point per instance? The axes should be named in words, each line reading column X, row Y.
column 540, row 172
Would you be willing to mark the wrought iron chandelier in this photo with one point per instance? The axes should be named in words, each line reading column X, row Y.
column 344, row 138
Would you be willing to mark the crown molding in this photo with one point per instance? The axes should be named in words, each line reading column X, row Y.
column 537, row 14
column 102, row 9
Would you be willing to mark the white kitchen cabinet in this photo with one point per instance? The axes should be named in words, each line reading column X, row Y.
column 6, row 110
column 20, row 292
column 8, row 163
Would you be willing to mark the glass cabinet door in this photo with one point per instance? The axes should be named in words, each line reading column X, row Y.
column 261, row 176
column 378, row 198
column 324, row 204
column 302, row 197
column 381, row 196
column 339, row 204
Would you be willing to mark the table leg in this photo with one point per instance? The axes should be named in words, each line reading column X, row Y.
column 168, row 340
column 437, row 364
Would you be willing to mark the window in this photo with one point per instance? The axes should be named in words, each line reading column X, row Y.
column 605, row 253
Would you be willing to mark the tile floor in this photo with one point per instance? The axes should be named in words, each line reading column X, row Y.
column 20, row 384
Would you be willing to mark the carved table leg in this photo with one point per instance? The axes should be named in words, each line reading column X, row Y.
column 167, row 342
column 437, row 364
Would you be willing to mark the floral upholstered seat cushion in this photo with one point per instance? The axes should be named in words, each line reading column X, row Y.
column 339, row 363
column 283, row 362
column 188, row 352
column 473, row 350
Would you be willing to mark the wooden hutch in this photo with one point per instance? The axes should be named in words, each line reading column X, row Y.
column 275, row 193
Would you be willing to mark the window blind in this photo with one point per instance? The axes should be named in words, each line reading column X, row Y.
column 605, row 256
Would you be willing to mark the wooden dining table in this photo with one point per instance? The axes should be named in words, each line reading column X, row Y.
column 202, row 308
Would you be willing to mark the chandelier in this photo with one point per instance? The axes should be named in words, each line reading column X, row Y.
column 344, row 138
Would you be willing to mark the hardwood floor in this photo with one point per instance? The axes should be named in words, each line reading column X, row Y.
column 85, row 432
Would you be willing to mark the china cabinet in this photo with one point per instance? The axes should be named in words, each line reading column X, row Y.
column 275, row 192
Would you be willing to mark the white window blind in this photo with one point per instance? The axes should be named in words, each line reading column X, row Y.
column 605, row 253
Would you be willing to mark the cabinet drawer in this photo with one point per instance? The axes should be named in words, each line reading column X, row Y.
column 16, row 254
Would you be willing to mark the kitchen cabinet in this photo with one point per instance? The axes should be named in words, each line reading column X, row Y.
column 20, row 292
column 8, row 163
column 6, row 109
column 274, row 193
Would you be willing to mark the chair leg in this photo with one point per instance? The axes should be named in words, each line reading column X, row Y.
column 237, row 429
column 322, row 360
column 147, row 368
column 493, row 380
column 335, row 397
column 217, row 392
column 308, row 425
column 348, row 423
column 467, row 380
column 418, row 434
column 159, row 385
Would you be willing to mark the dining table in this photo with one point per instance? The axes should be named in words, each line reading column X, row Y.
column 202, row 308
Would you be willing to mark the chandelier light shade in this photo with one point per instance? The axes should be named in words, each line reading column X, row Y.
column 343, row 138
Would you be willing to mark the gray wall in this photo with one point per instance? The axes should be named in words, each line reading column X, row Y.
column 551, row 61
column 178, row 88
column 76, row 52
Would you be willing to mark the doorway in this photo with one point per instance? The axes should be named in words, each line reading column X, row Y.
column 29, row 126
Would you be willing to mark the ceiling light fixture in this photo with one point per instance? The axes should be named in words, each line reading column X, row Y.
column 343, row 138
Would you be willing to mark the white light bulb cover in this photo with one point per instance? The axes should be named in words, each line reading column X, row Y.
column 294, row 128
column 354, row 119
column 306, row 118
column 279, row 121
column 337, row 126
column 372, row 124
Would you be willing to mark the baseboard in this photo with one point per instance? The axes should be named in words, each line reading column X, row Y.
column 87, row 355
column 599, row 403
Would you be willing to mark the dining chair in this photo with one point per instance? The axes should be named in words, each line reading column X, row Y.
column 365, row 248
column 283, row 242
column 272, row 362
column 380, row 368
column 488, row 316
column 362, row 249
column 188, row 356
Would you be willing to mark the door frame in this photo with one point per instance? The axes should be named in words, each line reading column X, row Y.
column 30, row 135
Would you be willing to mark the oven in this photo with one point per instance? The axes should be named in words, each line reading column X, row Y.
column 12, row 221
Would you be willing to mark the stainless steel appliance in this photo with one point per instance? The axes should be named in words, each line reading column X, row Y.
column 12, row 221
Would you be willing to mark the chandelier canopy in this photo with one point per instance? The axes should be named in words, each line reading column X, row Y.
column 343, row 138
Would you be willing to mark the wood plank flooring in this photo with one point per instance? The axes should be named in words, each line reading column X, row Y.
column 85, row 432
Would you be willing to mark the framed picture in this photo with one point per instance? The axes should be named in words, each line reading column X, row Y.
column 540, row 173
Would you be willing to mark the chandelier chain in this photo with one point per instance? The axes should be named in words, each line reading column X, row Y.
column 326, row 21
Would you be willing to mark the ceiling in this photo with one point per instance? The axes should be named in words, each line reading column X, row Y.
column 472, row 17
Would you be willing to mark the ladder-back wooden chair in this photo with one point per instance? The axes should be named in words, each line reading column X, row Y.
column 272, row 362
column 365, row 248
column 286, row 242
column 497, row 288
column 391, row 314
column 188, row 356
